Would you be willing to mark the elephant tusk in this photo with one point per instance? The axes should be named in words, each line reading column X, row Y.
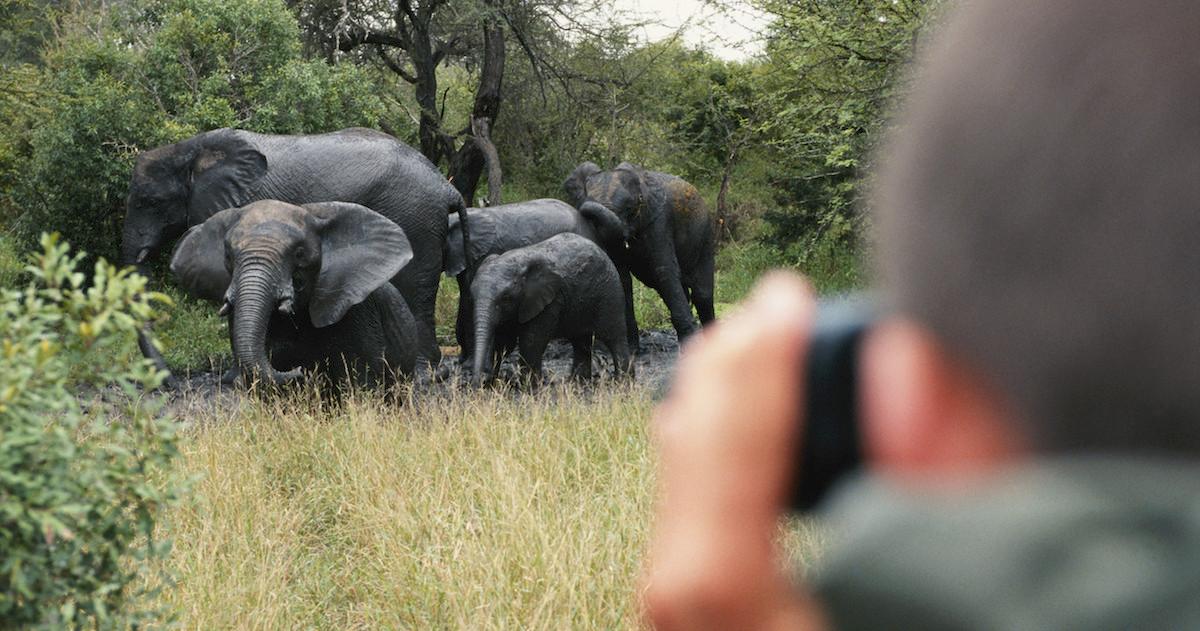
column 286, row 306
column 224, row 308
column 141, row 257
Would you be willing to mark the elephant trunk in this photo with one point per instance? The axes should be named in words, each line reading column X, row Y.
column 135, row 251
column 485, row 340
column 254, row 302
column 609, row 227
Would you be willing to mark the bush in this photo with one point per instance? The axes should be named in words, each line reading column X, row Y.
column 83, row 458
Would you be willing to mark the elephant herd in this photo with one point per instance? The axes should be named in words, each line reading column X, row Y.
column 325, row 254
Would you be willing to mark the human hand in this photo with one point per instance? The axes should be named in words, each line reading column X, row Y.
column 727, row 439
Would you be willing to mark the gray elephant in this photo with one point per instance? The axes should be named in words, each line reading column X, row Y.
column 563, row 287
column 498, row 229
column 181, row 185
column 305, row 287
column 670, row 244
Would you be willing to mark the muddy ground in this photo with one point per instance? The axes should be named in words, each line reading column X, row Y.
column 202, row 391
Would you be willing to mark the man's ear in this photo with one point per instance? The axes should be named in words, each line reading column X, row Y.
column 926, row 413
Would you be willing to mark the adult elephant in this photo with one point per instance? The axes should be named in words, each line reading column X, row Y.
column 181, row 185
column 670, row 243
column 498, row 229
column 305, row 287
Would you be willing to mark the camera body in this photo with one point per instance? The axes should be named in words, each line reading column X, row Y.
column 831, row 445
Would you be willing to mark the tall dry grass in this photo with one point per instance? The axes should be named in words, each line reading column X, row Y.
column 467, row 511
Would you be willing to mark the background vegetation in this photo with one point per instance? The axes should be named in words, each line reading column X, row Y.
column 462, row 511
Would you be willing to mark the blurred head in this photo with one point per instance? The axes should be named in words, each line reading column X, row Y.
column 1039, row 220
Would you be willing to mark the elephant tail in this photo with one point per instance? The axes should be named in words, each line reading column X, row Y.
column 457, row 206
column 609, row 227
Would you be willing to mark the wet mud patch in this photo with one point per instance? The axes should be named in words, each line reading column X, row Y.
column 200, row 394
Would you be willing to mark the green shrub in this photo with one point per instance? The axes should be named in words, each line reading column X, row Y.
column 10, row 263
column 192, row 334
column 84, row 459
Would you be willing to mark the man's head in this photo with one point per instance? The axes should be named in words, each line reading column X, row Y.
column 1039, row 215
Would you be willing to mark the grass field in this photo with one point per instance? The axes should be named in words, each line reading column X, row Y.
column 478, row 510
column 475, row 511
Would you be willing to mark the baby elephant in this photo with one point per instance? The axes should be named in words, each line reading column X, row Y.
column 304, row 287
column 563, row 287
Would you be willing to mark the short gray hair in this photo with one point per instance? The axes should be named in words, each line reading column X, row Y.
column 1038, row 209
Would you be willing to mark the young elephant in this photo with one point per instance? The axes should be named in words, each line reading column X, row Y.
column 671, row 240
column 563, row 287
column 498, row 229
column 305, row 287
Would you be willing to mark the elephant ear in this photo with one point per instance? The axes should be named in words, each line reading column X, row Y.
column 576, row 184
column 541, row 285
column 223, row 173
column 198, row 261
column 360, row 251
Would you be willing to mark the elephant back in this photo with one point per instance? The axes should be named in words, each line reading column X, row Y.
column 499, row 229
column 693, row 225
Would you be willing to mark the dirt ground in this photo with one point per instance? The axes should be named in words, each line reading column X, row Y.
column 202, row 391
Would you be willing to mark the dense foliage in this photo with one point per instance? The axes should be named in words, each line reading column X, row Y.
column 786, row 134
column 83, row 457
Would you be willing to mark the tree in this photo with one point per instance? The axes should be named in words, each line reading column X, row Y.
column 427, row 32
column 414, row 39
column 830, row 70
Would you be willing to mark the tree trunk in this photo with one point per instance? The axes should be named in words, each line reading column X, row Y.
column 723, row 231
column 483, row 139
column 425, row 89
column 467, row 165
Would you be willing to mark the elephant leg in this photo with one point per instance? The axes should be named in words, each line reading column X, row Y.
column 611, row 337
column 701, row 286
column 532, row 344
column 581, row 364
column 501, row 350
column 426, row 338
column 464, row 327
column 663, row 276
column 632, row 335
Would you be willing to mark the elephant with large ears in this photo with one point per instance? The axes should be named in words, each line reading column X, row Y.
column 670, row 244
column 498, row 229
column 305, row 287
column 563, row 287
column 181, row 185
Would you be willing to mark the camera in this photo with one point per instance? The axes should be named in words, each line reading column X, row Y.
column 831, row 445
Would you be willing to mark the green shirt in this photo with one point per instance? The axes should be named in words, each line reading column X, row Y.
column 1088, row 543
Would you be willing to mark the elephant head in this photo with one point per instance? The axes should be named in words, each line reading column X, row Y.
column 314, row 262
column 180, row 185
column 583, row 187
column 508, row 289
